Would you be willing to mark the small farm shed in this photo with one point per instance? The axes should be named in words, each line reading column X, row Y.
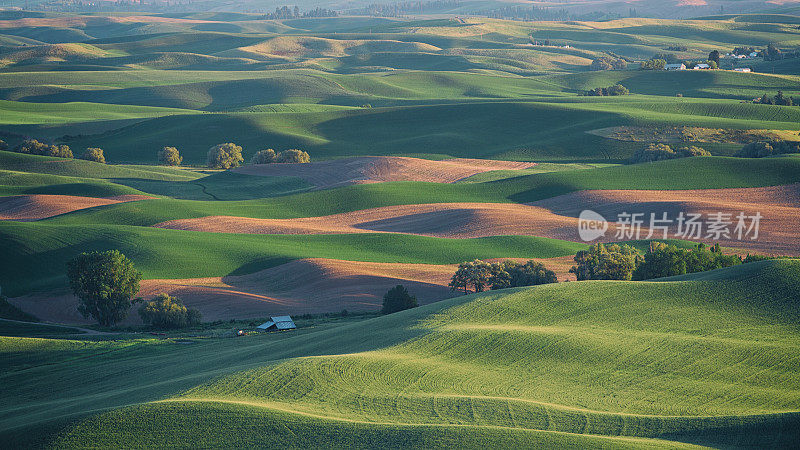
column 278, row 323
column 680, row 66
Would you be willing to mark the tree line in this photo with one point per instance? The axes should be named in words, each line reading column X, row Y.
column 34, row 147
column 229, row 155
column 661, row 152
column 285, row 12
column 220, row 156
column 768, row 148
column 779, row 99
column 477, row 275
column 623, row 262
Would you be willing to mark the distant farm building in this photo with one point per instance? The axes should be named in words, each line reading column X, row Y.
column 742, row 69
column 278, row 323
column 703, row 66
column 675, row 67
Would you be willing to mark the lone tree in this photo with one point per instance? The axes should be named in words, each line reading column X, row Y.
column 293, row 155
column 94, row 154
column 225, row 156
column 714, row 56
column 168, row 312
column 263, row 157
column 169, row 156
column 398, row 299
column 105, row 283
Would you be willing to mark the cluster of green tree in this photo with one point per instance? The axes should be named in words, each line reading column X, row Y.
column 608, row 63
column 623, row 262
column 229, row 155
column 768, row 148
column 660, row 152
column 528, row 13
column 269, row 156
column 664, row 260
column 169, row 156
column 94, row 154
column 479, row 274
column 34, row 147
column 677, row 48
column 106, row 283
column 606, row 262
column 616, row 89
column 779, row 99
column 743, row 51
column 285, row 12
column 670, row 58
column 398, row 299
column 538, row 13
column 654, row 64
column 772, row 53
column 168, row 312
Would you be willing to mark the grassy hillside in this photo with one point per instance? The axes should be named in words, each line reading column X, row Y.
column 707, row 362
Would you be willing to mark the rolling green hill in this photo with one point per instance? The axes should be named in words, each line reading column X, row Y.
column 708, row 359
column 595, row 364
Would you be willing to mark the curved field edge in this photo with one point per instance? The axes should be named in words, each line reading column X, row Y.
column 36, row 252
column 213, row 423
column 680, row 174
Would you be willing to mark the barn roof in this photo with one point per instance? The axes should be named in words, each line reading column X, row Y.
column 278, row 323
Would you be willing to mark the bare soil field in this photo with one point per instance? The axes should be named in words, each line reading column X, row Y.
column 340, row 172
column 39, row 206
column 779, row 232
